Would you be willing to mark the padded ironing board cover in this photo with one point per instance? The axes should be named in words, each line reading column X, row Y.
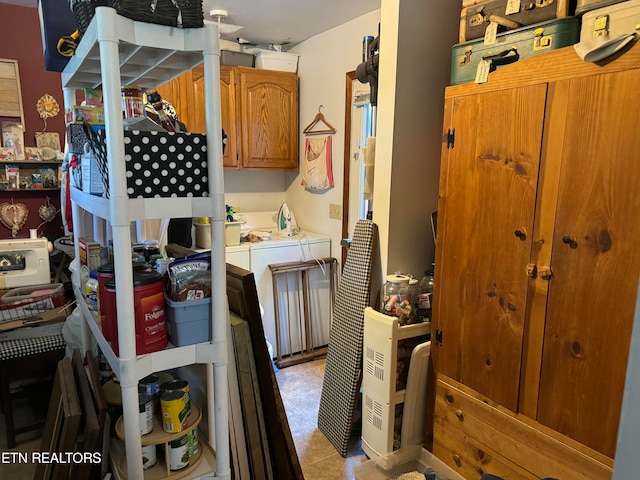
column 344, row 357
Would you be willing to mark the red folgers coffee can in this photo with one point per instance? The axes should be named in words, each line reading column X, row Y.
column 149, row 306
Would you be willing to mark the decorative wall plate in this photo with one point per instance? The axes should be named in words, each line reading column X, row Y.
column 47, row 212
column 47, row 106
column 13, row 216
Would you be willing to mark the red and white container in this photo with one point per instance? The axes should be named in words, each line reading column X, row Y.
column 149, row 307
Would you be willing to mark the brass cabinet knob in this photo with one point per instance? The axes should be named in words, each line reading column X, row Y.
column 460, row 415
column 532, row 270
column 457, row 460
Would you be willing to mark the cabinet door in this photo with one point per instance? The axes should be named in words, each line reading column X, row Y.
column 593, row 291
column 229, row 117
column 179, row 93
column 268, row 109
column 488, row 192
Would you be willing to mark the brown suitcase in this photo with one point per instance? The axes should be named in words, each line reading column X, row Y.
column 584, row 6
column 476, row 15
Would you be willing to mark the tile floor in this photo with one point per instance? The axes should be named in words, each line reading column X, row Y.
column 300, row 388
column 26, row 442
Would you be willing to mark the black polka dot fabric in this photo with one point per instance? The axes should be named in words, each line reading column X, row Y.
column 163, row 164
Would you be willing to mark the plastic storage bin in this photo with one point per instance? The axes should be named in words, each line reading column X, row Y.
column 285, row 62
column 414, row 458
column 229, row 57
column 188, row 322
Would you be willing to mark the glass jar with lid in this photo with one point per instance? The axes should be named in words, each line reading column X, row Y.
column 397, row 298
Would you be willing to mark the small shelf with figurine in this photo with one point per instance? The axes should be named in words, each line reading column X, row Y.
column 30, row 176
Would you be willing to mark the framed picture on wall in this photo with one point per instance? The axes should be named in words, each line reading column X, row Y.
column 48, row 139
column 13, row 137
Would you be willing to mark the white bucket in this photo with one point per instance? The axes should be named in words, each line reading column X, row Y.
column 231, row 234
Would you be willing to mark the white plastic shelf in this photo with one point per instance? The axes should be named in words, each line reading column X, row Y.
column 170, row 357
column 149, row 54
column 380, row 393
column 116, row 51
column 146, row 208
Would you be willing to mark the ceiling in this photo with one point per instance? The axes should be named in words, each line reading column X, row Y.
column 277, row 22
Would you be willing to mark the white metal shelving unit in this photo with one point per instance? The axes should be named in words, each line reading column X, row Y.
column 117, row 51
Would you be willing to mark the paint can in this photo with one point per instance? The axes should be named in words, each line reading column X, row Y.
column 148, row 456
column 145, row 409
column 174, row 411
column 178, row 453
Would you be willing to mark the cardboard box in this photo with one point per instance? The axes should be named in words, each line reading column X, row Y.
column 13, row 176
column 413, row 458
column 89, row 253
column 81, row 114
column 91, row 177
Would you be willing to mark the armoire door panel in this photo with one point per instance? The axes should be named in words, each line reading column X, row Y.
column 595, row 262
column 488, row 205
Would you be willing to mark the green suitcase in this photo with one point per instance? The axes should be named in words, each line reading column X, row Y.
column 512, row 46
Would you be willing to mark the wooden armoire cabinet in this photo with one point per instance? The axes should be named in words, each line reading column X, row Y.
column 259, row 111
column 537, row 266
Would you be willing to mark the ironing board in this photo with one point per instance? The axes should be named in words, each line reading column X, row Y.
column 344, row 358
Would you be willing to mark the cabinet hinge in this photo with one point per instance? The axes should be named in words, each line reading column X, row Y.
column 438, row 337
column 451, row 138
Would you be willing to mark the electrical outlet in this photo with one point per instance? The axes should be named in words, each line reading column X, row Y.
column 335, row 211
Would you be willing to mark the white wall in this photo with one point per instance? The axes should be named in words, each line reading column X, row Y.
column 324, row 61
column 254, row 191
column 415, row 59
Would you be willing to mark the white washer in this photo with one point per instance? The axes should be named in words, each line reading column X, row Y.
column 302, row 246
column 239, row 256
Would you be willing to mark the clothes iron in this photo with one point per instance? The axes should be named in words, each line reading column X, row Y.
column 284, row 221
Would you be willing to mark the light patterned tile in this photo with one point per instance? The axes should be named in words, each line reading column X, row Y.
column 301, row 388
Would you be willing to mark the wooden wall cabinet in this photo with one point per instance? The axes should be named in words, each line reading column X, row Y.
column 537, row 266
column 259, row 111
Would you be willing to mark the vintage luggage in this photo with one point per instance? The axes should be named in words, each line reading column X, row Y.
column 607, row 30
column 512, row 46
column 583, row 6
column 475, row 18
